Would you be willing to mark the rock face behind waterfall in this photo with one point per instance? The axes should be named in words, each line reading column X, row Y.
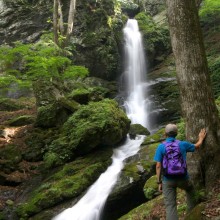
column 96, row 43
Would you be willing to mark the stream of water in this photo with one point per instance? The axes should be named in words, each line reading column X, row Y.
column 90, row 206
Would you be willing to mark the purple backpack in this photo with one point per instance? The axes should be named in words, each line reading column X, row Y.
column 173, row 162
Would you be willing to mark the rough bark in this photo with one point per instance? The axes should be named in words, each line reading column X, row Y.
column 197, row 100
column 61, row 24
column 55, row 21
column 72, row 10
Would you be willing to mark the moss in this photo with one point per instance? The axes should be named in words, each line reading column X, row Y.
column 2, row 216
column 151, row 188
column 11, row 152
column 37, row 142
column 130, row 170
column 156, row 137
column 51, row 115
column 196, row 213
column 148, row 160
column 70, row 105
column 96, row 124
column 136, row 129
column 143, row 211
column 21, row 120
column 67, row 183
column 7, row 104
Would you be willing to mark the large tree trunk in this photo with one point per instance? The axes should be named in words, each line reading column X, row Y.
column 197, row 100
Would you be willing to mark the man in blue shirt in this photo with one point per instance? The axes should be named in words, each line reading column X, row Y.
column 170, row 184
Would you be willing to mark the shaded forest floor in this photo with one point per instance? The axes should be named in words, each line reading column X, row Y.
column 13, row 175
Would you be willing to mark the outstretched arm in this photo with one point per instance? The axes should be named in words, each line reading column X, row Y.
column 202, row 135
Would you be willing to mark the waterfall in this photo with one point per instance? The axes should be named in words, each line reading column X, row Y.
column 90, row 206
column 136, row 104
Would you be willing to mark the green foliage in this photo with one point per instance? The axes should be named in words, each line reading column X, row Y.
column 31, row 61
column 150, row 187
column 75, row 72
column 155, row 37
column 128, row 4
column 181, row 130
column 51, row 160
column 210, row 10
column 217, row 101
column 214, row 68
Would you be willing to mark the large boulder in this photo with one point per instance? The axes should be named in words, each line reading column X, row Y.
column 94, row 125
column 65, row 184
column 53, row 109
column 137, row 129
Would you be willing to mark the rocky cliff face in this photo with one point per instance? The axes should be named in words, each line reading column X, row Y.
column 23, row 20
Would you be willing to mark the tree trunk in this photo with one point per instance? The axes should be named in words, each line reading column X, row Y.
column 72, row 10
column 60, row 13
column 55, row 21
column 197, row 100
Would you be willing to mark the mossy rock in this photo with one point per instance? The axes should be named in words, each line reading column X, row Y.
column 21, row 120
column 2, row 216
column 50, row 116
column 196, row 213
column 10, row 157
column 137, row 129
column 143, row 211
column 96, row 124
column 80, row 95
column 151, row 188
column 155, row 138
column 7, row 104
column 72, row 105
column 83, row 96
column 37, row 142
column 67, row 183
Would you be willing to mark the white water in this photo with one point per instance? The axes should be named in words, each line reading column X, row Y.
column 137, row 105
column 91, row 204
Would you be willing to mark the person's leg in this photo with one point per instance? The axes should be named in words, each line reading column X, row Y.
column 169, row 191
column 190, row 193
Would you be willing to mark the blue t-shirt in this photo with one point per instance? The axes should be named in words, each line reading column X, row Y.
column 184, row 148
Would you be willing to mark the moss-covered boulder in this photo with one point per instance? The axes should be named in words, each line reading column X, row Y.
column 155, row 138
column 67, row 183
column 37, row 142
column 7, row 104
column 151, row 188
column 137, row 129
column 84, row 95
column 10, row 156
column 55, row 114
column 21, row 120
column 197, row 212
column 94, row 125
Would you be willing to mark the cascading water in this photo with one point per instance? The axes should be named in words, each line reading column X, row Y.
column 91, row 204
column 136, row 104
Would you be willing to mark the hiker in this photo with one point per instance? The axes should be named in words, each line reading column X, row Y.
column 171, row 169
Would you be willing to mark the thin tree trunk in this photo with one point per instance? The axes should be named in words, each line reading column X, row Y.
column 60, row 13
column 197, row 100
column 55, row 21
column 72, row 10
